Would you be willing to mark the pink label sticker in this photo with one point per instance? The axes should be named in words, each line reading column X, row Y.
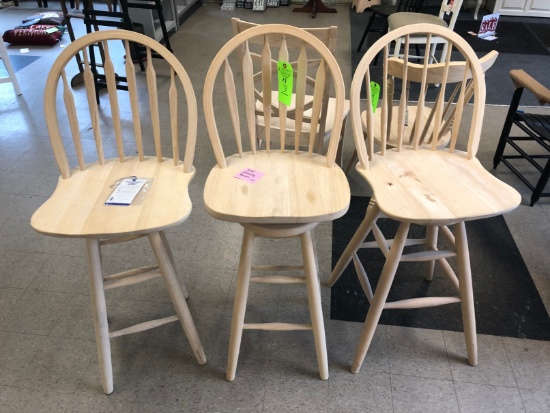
column 249, row 175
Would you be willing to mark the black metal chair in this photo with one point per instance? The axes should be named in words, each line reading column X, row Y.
column 385, row 10
column 537, row 129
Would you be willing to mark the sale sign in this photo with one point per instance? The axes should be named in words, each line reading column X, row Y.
column 488, row 25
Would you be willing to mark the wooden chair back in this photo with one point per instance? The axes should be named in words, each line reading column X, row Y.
column 436, row 73
column 327, row 35
column 451, row 7
column 239, row 107
column 468, row 71
column 158, row 102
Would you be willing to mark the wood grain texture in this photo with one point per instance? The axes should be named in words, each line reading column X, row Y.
column 77, row 207
column 294, row 189
column 426, row 186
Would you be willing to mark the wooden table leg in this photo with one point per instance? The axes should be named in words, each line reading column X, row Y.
column 314, row 6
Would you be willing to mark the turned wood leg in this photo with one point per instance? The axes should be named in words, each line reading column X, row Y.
column 173, row 262
column 373, row 212
column 99, row 311
column 174, row 289
column 239, row 306
column 431, row 245
column 314, row 300
column 466, row 291
column 380, row 295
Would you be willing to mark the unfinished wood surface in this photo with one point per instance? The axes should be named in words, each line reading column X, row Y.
column 77, row 207
column 423, row 184
column 294, row 189
column 297, row 189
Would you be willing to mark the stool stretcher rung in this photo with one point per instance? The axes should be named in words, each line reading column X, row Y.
column 278, row 268
column 278, row 279
column 277, row 326
column 136, row 279
column 131, row 273
column 427, row 256
column 421, row 302
column 408, row 243
column 143, row 326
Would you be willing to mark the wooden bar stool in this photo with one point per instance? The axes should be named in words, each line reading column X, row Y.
column 297, row 189
column 78, row 208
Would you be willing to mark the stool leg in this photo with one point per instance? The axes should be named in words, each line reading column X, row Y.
column 99, row 311
column 373, row 212
column 239, row 306
column 466, row 292
column 176, row 295
column 173, row 262
column 541, row 184
column 380, row 295
column 314, row 300
column 431, row 245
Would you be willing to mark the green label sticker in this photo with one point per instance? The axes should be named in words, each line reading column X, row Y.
column 51, row 30
column 374, row 95
column 285, row 74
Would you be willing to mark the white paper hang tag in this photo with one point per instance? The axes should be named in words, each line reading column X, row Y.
column 125, row 191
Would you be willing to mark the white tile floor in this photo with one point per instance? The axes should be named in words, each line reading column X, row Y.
column 47, row 348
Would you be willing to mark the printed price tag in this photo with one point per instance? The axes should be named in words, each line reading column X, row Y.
column 374, row 95
column 249, row 175
column 126, row 191
column 286, row 77
column 488, row 25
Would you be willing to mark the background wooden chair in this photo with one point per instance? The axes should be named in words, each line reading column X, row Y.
column 402, row 19
column 324, row 128
column 11, row 78
column 536, row 128
column 423, row 185
column 386, row 10
column 434, row 76
column 77, row 208
column 298, row 189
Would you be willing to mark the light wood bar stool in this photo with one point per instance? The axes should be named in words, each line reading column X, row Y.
column 427, row 185
column 77, row 209
column 298, row 189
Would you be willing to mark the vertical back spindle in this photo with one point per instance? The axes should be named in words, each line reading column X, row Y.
column 132, row 90
column 153, row 103
column 418, row 127
column 283, row 56
column 403, row 101
column 318, row 94
column 68, row 98
column 459, row 108
column 385, row 125
column 92, row 104
column 439, row 104
column 301, row 74
column 232, row 104
column 110, row 77
column 266, row 91
column 173, row 98
column 249, row 98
